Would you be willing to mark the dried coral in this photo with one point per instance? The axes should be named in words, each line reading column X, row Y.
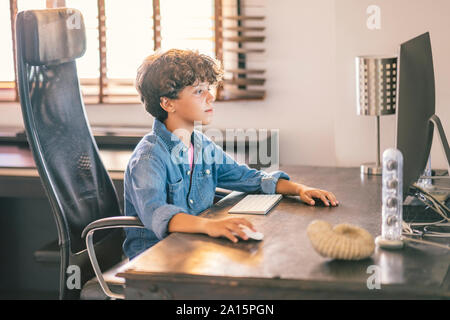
column 344, row 241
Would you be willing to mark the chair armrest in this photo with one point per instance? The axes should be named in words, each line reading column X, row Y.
column 106, row 223
column 112, row 222
column 222, row 192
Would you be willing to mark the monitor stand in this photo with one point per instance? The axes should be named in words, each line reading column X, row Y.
column 444, row 143
column 436, row 122
column 413, row 208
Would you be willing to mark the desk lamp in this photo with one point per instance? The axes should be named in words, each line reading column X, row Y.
column 376, row 85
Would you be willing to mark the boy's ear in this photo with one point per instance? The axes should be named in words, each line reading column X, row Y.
column 166, row 104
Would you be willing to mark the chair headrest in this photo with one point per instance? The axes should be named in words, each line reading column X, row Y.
column 52, row 36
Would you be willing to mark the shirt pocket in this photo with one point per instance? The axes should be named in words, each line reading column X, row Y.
column 175, row 192
column 206, row 187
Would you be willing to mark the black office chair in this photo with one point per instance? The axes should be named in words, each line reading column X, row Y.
column 74, row 178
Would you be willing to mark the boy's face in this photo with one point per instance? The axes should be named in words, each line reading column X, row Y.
column 194, row 104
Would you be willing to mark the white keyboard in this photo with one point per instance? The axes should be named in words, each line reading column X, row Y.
column 256, row 203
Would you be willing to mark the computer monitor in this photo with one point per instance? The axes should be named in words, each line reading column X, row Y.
column 415, row 108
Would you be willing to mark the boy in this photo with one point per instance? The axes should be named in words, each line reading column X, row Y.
column 174, row 170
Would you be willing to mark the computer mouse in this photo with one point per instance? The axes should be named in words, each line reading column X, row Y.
column 319, row 203
column 254, row 235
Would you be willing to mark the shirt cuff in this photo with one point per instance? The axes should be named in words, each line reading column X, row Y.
column 269, row 181
column 161, row 218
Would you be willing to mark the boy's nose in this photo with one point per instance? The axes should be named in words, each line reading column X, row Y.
column 210, row 97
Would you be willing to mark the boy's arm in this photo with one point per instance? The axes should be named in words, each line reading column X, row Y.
column 183, row 222
column 145, row 185
column 239, row 177
column 306, row 193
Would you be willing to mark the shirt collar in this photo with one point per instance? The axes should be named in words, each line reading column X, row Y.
column 172, row 141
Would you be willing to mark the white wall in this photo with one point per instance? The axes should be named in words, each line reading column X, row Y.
column 300, row 83
column 401, row 20
column 310, row 85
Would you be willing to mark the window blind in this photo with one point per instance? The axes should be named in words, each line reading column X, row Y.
column 240, row 47
column 120, row 34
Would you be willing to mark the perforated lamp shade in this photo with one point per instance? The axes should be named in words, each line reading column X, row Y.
column 376, row 87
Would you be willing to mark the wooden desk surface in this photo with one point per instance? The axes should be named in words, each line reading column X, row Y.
column 17, row 160
column 284, row 264
column 18, row 169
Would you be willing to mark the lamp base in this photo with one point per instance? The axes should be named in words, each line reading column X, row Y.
column 371, row 169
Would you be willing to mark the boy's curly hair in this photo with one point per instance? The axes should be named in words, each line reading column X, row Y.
column 166, row 74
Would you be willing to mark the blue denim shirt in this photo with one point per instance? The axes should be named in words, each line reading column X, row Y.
column 158, row 184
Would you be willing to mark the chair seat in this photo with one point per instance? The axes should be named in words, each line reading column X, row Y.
column 93, row 291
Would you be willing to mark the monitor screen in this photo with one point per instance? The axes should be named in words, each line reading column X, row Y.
column 415, row 106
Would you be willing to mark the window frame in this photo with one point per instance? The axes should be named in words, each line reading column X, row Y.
column 239, row 77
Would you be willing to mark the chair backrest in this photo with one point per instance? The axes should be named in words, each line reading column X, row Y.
column 66, row 155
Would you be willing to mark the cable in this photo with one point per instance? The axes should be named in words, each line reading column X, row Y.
column 408, row 230
column 406, row 227
column 422, row 224
column 436, row 208
column 425, row 242
column 443, row 188
column 427, row 195
column 428, row 230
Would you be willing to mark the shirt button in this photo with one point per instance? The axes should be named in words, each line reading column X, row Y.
column 191, row 201
column 208, row 171
column 188, row 172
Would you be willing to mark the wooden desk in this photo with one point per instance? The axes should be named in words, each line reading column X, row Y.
column 17, row 160
column 284, row 265
column 26, row 218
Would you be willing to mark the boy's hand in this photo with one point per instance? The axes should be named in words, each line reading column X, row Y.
column 307, row 194
column 225, row 227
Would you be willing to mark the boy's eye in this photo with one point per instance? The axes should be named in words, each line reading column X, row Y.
column 202, row 89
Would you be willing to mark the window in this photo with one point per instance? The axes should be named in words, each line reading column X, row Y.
column 88, row 65
column 240, row 46
column 190, row 26
column 120, row 34
column 30, row 4
column 7, row 86
column 129, row 39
